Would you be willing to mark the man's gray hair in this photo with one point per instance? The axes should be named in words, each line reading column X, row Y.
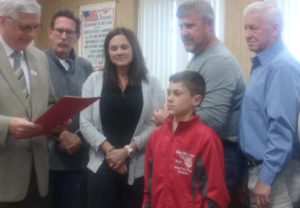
column 13, row 7
column 202, row 7
column 272, row 13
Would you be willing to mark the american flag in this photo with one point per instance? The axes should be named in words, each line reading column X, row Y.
column 90, row 15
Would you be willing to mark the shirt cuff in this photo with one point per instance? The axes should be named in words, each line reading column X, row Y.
column 266, row 176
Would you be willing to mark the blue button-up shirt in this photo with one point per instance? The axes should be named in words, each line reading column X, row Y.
column 268, row 123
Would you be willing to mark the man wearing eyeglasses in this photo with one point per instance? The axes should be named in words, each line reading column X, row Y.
column 25, row 93
column 68, row 152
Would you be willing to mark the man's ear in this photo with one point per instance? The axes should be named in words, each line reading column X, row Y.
column 2, row 19
column 276, row 30
column 77, row 36
column 197, row 99
column 49, row 31
column 210, row 24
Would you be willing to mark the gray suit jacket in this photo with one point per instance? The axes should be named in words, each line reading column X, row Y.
column 16, row 156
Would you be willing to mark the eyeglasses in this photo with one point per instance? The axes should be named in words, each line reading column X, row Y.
column 60, row 31
column 24, row 27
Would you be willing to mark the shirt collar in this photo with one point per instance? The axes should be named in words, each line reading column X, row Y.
column 68, row 61
column 8, row 50
column 182, row 124
column 200, row 53
column 65, row 64
column 266, row 55
column 71, row 57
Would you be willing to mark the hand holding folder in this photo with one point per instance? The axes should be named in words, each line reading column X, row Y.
column 62, row 111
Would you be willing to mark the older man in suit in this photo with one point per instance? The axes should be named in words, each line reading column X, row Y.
column 25, row 93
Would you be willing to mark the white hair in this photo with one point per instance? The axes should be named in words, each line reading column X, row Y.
column 13, row 7
column 272, row 13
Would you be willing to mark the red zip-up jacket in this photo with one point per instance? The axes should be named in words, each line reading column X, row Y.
column 185, row 168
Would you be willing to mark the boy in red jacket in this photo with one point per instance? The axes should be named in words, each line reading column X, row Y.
column 184, row 165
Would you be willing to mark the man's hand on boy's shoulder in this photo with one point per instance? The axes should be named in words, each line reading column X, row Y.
column 159, row 115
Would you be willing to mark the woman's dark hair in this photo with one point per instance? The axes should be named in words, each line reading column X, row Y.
column 137, row 69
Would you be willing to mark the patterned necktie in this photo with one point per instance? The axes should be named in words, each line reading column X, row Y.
column 19, row 72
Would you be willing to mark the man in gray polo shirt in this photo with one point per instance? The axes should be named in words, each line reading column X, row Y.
column 220, row 107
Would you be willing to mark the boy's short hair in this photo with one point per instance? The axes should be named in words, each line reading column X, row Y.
column 192, row 80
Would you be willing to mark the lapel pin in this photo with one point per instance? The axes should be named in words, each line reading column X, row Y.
column 33, row 73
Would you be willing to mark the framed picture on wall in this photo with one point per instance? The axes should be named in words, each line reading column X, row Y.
column 97, row 20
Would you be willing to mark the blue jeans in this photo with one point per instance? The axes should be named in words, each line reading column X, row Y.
column 65, row 188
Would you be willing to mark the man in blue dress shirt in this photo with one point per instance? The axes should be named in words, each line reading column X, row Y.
column 268, row 125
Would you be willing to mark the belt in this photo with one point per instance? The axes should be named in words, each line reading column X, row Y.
column 253, row 163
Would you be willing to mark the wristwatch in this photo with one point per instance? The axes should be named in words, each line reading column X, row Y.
column 129, row 149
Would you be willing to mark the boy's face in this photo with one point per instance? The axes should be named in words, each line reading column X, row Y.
column 180, row 102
